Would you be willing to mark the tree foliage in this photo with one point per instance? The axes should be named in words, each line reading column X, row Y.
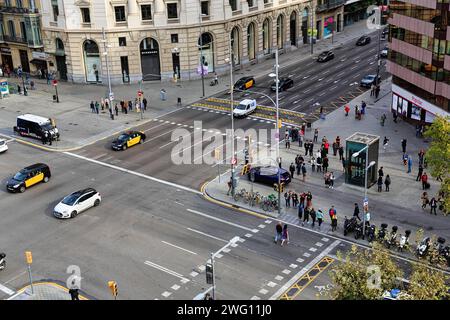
column 438, row 155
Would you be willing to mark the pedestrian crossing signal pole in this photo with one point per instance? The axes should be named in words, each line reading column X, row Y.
column 29, row 259
column 113, row 287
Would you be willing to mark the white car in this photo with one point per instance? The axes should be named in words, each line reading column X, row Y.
column 3, row 146
column 244, row 108
column 77, row 202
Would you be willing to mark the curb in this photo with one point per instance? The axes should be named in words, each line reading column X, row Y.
column 48, row 283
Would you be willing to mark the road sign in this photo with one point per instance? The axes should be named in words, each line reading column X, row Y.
column 111, row 96
column 139, row 93
column 55, row 82
column 233, row 161
column 29, row 257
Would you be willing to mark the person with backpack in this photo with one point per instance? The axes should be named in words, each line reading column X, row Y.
column 278, row 232
column 387, row 182
column 292, row 170
column 334, row 223
column 313, row 215
column 332, row 212
column 285, row 235
column 319, row 216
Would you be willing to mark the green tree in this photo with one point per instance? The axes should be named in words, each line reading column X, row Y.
column 438, row 156
column 427, row 283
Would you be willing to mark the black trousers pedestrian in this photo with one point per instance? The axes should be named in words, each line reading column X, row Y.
column 315, row 138
column 313, row 222
column 387, row 188
column 380, row 188
column 419, row 175
column 433, row 209
column 423, row 185
column 319, row 220
column 292, row 174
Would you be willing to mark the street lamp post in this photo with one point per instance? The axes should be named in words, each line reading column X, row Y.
column 379, row 56
column 312, row 25
column 233, row 156
column 201, row 53
column 366, row 171
column 105, row 53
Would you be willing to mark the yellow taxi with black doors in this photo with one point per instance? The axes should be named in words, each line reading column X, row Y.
column 28, row 177
column 128, row 139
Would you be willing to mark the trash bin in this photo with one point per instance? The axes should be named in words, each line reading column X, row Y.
column 162, row 95
column 54, row 97
column 179, row 101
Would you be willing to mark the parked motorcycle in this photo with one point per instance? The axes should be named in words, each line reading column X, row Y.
column 392, row 239
column 382, row 232
column 370, row 233
column 423, row 247
column 404, row 241
column 439, row 250
column 359, row 230
column 446, row 254
column 349, row 225
column 2, row 261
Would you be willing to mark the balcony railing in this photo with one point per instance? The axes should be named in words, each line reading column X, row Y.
column 14, row 39
column 329, row 5
column 16, row 10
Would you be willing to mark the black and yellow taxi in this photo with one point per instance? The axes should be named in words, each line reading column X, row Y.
column 244, row 83
column 28, row 177
column 128, row 139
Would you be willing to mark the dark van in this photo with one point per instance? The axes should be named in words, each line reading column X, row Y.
column 36, row 126
column 28, row 177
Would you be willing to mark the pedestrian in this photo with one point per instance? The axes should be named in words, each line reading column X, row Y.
column 319, row 216
column 332, row 178
column 372, row 90
column 309, row 199
column 419, row 174
column 385, row 142
column 347, row 110
column 316, row 134
column 334, row 223
column 387, row 182
column 332, row 212
column 313, row 217
column 383, row 119
column 356, row 212
column 278, row 232
column 424, row 199
column 216, row 79
column 292, row 169
column 130, row 105
column 335, row 148
column 341, row 152
column 304, row 172
column 377, row 91
column 73, row 291
column 102, row 103
column 92, row 107
column 421, row 155
column 294, row 200
column 306, row 216
column 319, row 164
column 326, row 178
column 122, row 103
column 230, row 185
column 97, row 107
column 424, row 179
column 300, row 139
column 144, row 101
column 363, row 107
column 302, row 199
column 325, row 164
column 44, row 138
column 433, row 205
column 380, row 183
column 300, row 209
column 288, row 142
column 299, row 168
column 287, row 199
column 409, row 164
column 394, row 116
column 306, row 146
column 116, row 109
column 404, row 145
column 285, row 235
column 313, row 164
column 380, row 172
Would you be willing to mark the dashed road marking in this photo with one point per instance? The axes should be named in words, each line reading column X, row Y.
column 255, row 298
column 271, row 284
column 307, row 255
column 262, row 226
column 300, row 260
column 166, row 294
column 263, row 291
column 286, row 271
column 193, row 274
column 312, row 249
column 226, row 250
column 293, row 266
column 201, row 268
column 325, row 239
column 248, row 235
column 175, row 287
column 319, row 244
column 279, row 278
column 219, row 256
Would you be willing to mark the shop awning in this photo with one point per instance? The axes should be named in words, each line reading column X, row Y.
column 38, row 61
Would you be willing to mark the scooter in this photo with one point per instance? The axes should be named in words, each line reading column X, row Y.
column 423, row 247
column 370, row 232
column 349, row 225
column 2, row 261
column 404, row 241
column 446, row 254
column 212, row 83
column 359, row 230
column 382, row 232
column 392, row 239
column 439, row 247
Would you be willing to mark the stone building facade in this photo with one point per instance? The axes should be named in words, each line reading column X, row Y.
column 160, row 39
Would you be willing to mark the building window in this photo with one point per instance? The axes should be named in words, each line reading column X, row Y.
column 122, row 41
column 12, row 30
column 85, row 14
column 205, row 8
column 172, row 11
column 174, row 38
column 55, row 10
column 23, row 31
column 120, row 13
column 233, row 4
column 251, row 3
column 7, row 3
column 19, row 4
column 146, row 12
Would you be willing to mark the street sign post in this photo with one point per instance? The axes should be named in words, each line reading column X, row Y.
column 217, row 157
column 55, row 84
column 29, row 260
column 111, row 97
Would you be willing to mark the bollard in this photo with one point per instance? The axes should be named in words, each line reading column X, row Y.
column 179, row 101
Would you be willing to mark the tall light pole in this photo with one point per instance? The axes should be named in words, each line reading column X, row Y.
column 201, row 52
column 366, row 171
column 312, row 25
column 233, row 157
column 277, row 127
column 379, row 49
column 105, row 53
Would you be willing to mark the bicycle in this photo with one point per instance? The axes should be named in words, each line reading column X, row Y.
column 269, row 203
column 240, row 194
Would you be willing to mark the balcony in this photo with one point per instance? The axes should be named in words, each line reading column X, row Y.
column 15, row 10
column 330, row 5
column 14, row 39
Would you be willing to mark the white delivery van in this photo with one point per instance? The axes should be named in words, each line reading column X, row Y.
column 244, row 108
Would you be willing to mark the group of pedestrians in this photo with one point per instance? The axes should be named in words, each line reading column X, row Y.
column 387, row 181
column 125, row 106
column 375, row 90
column 433, row 202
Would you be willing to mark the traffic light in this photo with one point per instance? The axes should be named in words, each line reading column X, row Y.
column 279, row 124
column 275, row 187
column 113, row 287
column 245, row 169
column 209, row 273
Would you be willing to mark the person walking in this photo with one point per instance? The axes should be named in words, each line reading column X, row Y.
column 383, row 119
column 278, row 232
column 306, row 146
column 230, row 185
column 377, row 91
column 333, row 223
column 380, row 184
column 130, row 105
column 363, row 107
column 424, row 179
column 424, row 199
column 404, row 141
column 419, row 174
column 433, row 205
column 347, row 110
column 116, row 109
column 44, row 138
column 285, row 235
column 319, row 164
column 311, row 149
column 216, row 79
column 356, row 212
column 309, row 199
column 144, row 101
column 300, row 210
column 92, row 107
column 387, row 182
column 102, row 104
column 302, row 199
column 292, row 170
column 301, row 137
column 298, row 167
column 421, row 155
column 304, row 172
column 287, row 199
column 313, row 164
column 319, row 216
column 288, row 141
column 332, row 178
column 306, row 216
column 316, row 134
column 372, row 90
column 385, row 143
column 380, row 172
column 97, row 107
column 335, row 148
column 73, row 291
column 313, row 217
column 332, row 212
column 325, row 164
column 410, row 162
column 341, row 152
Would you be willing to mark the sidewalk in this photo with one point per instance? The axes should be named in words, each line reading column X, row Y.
column 80, row 127
column 401, row 206
column 45, row 291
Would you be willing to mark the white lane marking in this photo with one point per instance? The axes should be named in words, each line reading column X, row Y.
column 161, row 268
column 279, row 278
column 6, row 290
column 175, row 287
column 307, row 255
column 321, row 94
column 177, row 186
column 159, row 125
column 325, row 239
column 193, row 274
column 319, row 244
column 162, row 134
column 354, row 67
column 166, row 294
column 255, row 298
column 332, row 88
column 184, row 281
column 179, row 203
column 288, row 284
column 234, row 245
column 286, row 271
column 307, row 90
column 293, row 266
column 312, row 249
column 248, row 235
column 170, row 244
column 262, row 226
column 226, row 250
column 201, row 268
column 242, row 240
column 271, row 284
column 268, row 221
column 263, row 291
column 221, row 220
column 340, row 74
column 218, row 256
column 99, row 156
column 300, row 260
column 207, row 235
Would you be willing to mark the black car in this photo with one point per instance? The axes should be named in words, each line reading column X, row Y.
column 325, row 56
column 363, row 41
column 244, row 83
column 28, row 177
column 269, row 175
column 128, row 139
column 284, row 83
column 384, row 33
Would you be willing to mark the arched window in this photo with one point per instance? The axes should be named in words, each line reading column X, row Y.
column 251, row 45
column 266, row 36
column 280, row 31
column 235, row 48
column 206, row 50
column 92, row 62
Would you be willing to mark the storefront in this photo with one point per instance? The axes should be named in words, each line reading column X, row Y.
column 7, row 58
column 411, row 107
column 39, row 60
